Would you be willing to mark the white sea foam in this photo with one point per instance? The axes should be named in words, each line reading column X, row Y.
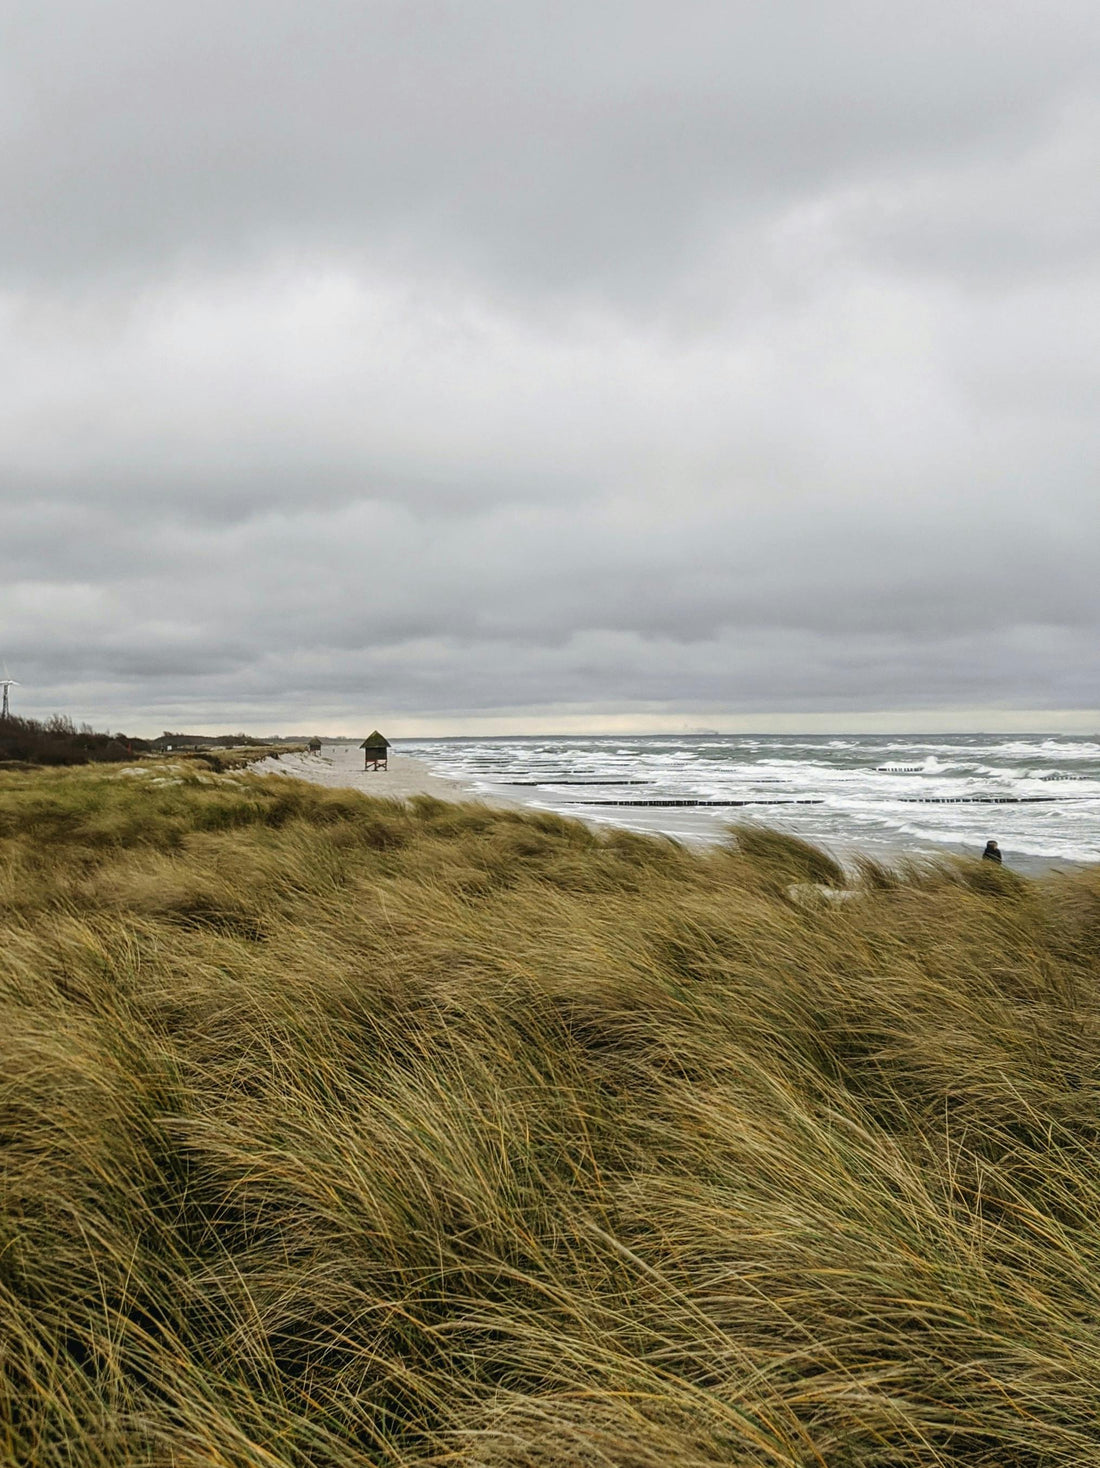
column 860, row 803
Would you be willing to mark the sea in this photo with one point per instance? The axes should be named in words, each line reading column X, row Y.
column 1037, row 795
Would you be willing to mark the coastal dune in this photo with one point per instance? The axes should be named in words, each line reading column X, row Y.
column 344, row 1132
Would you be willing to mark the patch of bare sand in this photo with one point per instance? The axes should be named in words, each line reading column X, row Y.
column 342, row 765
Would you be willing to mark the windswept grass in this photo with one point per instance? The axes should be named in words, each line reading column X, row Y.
column 341, row 1132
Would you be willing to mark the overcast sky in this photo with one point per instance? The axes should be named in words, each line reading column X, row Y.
column 534, row 366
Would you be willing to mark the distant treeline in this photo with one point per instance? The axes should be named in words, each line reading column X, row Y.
column 203, row 741
column 58, row 741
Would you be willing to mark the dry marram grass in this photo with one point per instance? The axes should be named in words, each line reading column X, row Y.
column 342, row 1132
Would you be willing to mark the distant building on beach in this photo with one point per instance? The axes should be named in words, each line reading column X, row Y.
column 375, row 751
column 315, row 745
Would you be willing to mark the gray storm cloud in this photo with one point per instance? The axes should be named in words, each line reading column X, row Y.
column 548, row 361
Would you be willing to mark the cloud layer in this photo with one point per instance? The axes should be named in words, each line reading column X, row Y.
column 547, row 363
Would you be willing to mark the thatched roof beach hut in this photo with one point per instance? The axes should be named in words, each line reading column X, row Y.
column 375, row 751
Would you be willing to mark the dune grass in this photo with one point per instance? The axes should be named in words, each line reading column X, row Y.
column 338, row 1131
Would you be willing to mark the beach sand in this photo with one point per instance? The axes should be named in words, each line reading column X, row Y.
column 342, row 765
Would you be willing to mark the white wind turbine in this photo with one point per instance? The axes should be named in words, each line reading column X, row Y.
column 5, row 684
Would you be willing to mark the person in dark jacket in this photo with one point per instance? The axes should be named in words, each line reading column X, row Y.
column 992, row 852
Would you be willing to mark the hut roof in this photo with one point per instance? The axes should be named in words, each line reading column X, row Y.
column 374, row 740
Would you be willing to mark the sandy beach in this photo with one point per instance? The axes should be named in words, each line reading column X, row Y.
column 342, row 765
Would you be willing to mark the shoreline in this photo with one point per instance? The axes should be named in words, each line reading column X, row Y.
column 339, row 766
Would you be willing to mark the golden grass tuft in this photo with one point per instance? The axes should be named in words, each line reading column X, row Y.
column 344, row 1132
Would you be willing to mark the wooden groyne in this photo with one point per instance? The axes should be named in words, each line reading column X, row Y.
column 977, row 799
column 901, row 800
column 681, row 803
column 549, row 780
